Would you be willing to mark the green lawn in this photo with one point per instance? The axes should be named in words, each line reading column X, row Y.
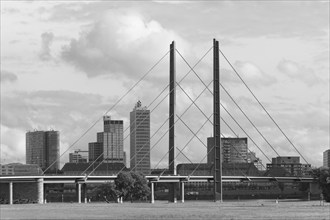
column 252, row 209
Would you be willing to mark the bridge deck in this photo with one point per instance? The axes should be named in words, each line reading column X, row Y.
column 154, row 178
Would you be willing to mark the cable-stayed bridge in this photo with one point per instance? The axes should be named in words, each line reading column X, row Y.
column 214, row 119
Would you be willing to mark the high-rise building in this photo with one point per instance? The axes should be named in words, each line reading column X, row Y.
column 326, row 158
column 95, row 150
column 234, row 150
column 109, row 147
column 43, row 149
column 113, row 140
column 140, row 139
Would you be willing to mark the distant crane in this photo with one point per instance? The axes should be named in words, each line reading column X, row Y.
column 78, row 151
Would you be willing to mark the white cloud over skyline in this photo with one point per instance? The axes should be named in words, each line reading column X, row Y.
column 64, row 64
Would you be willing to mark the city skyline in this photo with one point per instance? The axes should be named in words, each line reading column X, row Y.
column 80, row 58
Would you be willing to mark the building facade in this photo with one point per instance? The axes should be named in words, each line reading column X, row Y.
column 109, row 147
column 252, row 158
column 113, row 140
column 19, row 169
column 291, row 166
column 140, row 139
column 76, row 158
column 326, row 158
column 95, row 151
column 234, row 150
column 43, row 149
column 97, row 169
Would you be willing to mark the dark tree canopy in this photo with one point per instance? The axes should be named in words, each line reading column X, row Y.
column 140, row 189
column 323, row 176
column 128, row 185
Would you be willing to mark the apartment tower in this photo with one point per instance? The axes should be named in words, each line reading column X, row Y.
column 43, row 149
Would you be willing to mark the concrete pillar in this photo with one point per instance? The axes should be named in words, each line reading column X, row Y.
column 152, row 199
column 10, row 193
column 182, row 192
column 40, row 183
column 85, row 192
column 172, row 192
column 309, row 192
column 79, row 192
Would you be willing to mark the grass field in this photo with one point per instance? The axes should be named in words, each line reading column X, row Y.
column 252, row 209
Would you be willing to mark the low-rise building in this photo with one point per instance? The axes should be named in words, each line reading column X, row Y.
column 234, row 150
column 289, row 166
column 228, row 169
column 19, row 169
column 103, row 169
column 77, row 158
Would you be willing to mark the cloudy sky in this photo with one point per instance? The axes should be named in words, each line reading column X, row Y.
column 64, row 64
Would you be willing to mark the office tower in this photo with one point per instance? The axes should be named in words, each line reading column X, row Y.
column 43, row 149
column 95, row 150
column 109, row 147
column 140, row 139
column 234, row 150
column 113, row 140
column 326, row 158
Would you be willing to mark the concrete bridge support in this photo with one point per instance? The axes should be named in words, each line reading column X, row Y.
column 152, row 198
column 10, row 193
column 84, row 187
column 40, row 183
column 78, row 188
column 313, row 189
column 182, row 192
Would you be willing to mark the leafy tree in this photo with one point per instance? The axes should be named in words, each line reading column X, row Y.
column 124, row 184
column 140, row 189
column 323, row 176
column 128, row 185
column 107, row 192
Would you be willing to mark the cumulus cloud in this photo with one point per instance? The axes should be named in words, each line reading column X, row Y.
column 12, row 145
column 7, row 76
column 297, row 71
column 71, row 113
column 250, row 73
column 122, row 43
column 46, row 41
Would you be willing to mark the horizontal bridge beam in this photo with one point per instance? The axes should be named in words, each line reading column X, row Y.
column 172, row 178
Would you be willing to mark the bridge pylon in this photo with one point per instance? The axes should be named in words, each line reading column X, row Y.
column 217, row 168
column 172, row 104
